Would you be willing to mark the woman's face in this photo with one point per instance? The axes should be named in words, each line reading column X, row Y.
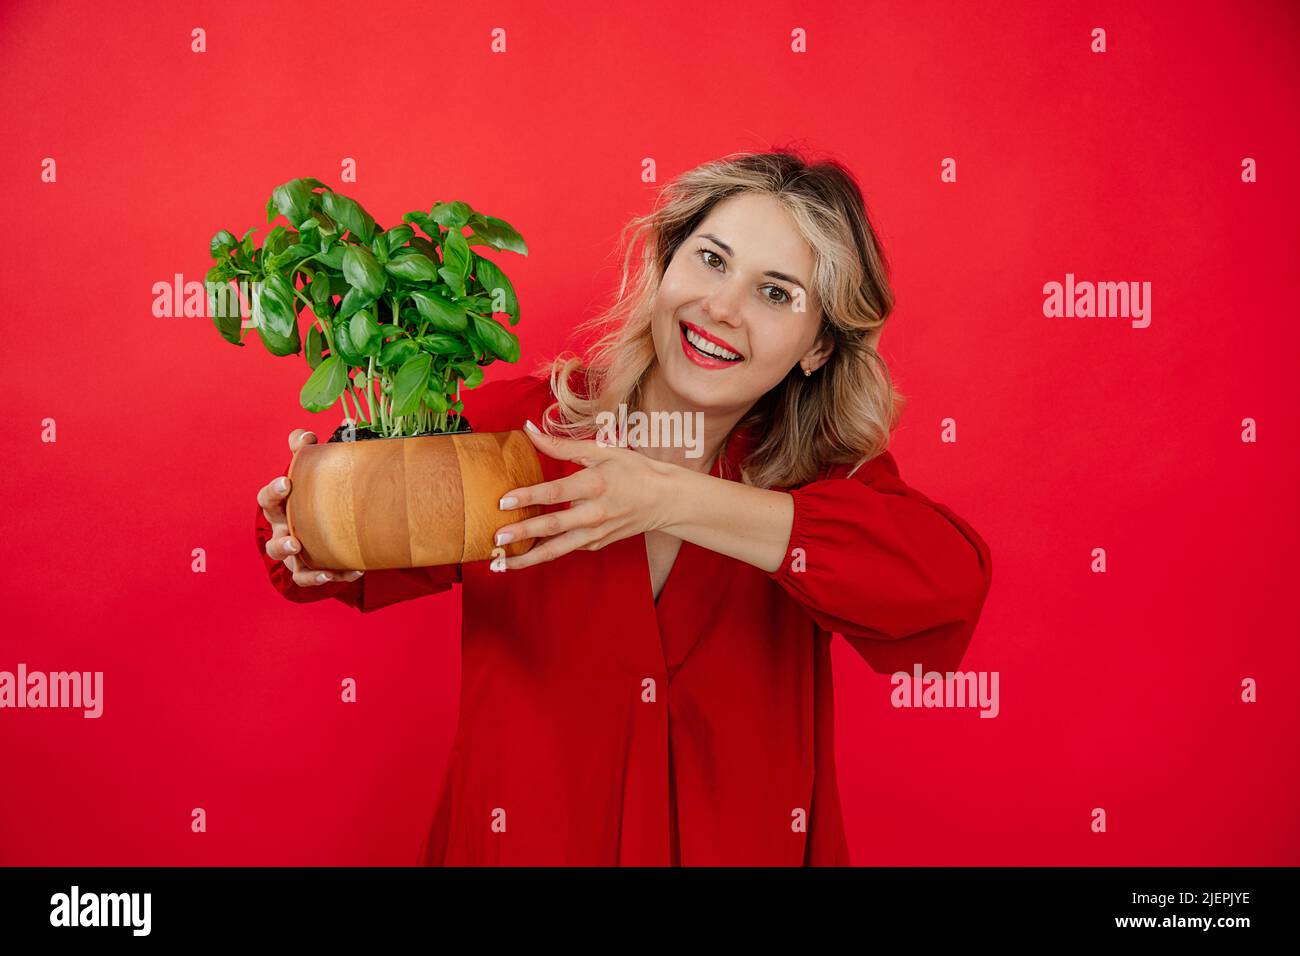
column 742, row 282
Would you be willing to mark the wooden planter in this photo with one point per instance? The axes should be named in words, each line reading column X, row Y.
column 408, row 502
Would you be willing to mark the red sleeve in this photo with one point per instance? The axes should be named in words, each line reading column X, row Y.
column 371, row 591
column 901, row 577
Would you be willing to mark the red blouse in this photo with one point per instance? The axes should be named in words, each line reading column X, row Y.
column 598, row 727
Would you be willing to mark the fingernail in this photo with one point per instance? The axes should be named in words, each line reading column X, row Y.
column 322, row 578
column 498, row 564
column 504, row 537
column 282, row 485
column 508, row 502
column 291, row 546
column 528, row 423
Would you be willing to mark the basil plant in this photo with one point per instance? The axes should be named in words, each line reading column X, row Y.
column 399, row 320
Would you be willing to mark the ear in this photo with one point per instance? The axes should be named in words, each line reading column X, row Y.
column 820, row 352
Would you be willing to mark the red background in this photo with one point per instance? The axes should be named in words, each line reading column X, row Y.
column 1118, row 690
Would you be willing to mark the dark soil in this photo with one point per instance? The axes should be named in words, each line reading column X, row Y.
column 365, row 434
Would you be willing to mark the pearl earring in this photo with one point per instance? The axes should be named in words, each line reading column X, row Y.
column 806, row 371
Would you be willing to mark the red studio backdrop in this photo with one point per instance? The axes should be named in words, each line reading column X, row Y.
column 1155, row 690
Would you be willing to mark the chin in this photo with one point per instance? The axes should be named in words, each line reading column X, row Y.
column 702, row 390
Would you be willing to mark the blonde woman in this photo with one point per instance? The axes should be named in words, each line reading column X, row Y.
column 650, row 684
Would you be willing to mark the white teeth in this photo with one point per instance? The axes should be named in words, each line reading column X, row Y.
column 704, row 345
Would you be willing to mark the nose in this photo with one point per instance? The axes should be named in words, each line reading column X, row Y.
column 723, row 306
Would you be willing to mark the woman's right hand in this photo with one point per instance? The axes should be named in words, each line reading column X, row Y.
column 282, row 546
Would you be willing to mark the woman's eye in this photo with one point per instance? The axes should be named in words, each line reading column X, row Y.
column 779, row 301
column 705, row 253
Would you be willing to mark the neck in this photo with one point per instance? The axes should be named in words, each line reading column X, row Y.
column 717, row 426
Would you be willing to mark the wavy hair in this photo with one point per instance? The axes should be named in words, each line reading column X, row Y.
column 844, row 412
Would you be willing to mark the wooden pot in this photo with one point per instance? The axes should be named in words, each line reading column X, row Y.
column 408, row 502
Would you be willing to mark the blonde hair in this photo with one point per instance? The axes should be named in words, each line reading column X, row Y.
column 845, row 411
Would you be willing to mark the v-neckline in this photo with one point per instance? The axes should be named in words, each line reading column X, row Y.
column 656, row 602
column 677, row 558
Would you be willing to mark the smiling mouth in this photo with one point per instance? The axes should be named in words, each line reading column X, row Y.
column 707, row 348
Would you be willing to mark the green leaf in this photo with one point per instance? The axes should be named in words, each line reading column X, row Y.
column 363, row 272
column 410, row 382
column 320, row 296
column 354, row 302
column 365, row 333
column 497, row 339
column 436, row 400
column 292, row 200
column 426, row 224
column 442, row 344
column 276, row 314
column 453, row 215
column 413, row 267
column 497, row 233
column 223, row 306
column 480, row 353
column 425, row 248
column 244, row 251
column 348, row 213
column 471, row 372
column 456, row 254
column 222, row 244
column 397, row 237
column 332, row 257
column 352, row 353
column 491, row 279
column 276, row 240
column 325, row 385
column 223, row 271
column 441, row 313
column 315, row 347
column 396, row 352
column 455, row 284
column 280, row 344
column 325, row 225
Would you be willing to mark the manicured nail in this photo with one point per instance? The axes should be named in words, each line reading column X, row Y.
column 508, row 502
column 322, row 578
column 291, row 546
column 281, row 485
column 528, row 423
column 498, row 564
column 505, row 537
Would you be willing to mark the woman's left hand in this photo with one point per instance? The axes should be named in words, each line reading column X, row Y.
column 618, row 494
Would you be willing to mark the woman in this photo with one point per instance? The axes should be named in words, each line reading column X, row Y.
column 610, row 720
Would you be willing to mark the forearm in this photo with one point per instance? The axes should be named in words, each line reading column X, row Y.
column 746, row 523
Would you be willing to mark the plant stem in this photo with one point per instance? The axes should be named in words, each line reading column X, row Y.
column 442, row 417
column 356, row 397
column 347, row 412
column 370, row 389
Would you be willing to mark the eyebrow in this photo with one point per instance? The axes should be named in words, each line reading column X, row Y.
column 770, row 272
